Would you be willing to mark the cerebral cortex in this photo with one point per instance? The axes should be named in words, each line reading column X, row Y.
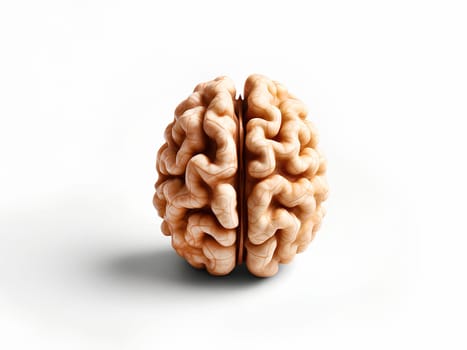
column 240, row 180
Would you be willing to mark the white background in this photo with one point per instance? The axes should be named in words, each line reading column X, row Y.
column 86, row 90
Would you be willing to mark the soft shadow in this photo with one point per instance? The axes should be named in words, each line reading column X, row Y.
column 164, row 267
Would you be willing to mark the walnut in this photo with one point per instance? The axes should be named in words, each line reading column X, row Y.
column 240, row 179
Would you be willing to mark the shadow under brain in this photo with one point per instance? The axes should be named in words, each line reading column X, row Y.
column 166, row 267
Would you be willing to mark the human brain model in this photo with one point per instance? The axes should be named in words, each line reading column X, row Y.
column 240, row 180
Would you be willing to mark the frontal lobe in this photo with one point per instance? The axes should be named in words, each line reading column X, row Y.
column 197, row 167
column 285, row 181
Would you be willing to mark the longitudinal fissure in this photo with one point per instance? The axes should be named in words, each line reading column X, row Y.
column 242, row 211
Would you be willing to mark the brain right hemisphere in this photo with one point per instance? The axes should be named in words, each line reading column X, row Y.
column 284, row 176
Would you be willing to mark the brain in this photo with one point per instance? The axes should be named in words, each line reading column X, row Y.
column 240, row 180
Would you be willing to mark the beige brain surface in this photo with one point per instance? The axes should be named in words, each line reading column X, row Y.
column 240, row 180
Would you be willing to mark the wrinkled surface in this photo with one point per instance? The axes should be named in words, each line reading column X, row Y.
column 197, row 166
column 284, row 176
column 198, row 188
